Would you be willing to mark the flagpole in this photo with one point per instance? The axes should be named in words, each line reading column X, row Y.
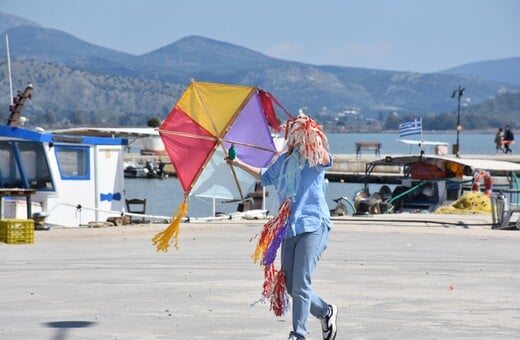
column 422, row 138
column 458, row 121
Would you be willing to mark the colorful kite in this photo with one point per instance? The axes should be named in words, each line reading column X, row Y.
column 205, row 123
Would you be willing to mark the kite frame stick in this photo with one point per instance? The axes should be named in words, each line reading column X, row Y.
column 190, row 135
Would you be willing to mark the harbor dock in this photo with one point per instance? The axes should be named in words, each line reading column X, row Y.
column 348, row 168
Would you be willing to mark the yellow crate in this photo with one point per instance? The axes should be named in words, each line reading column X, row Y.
column 16, row 231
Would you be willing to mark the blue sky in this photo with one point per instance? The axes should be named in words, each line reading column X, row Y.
column 419, row 36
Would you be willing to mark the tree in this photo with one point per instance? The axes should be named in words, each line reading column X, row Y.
column 78, row 117
column 154, row 122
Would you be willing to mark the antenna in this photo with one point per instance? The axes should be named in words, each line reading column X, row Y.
column 9, row 70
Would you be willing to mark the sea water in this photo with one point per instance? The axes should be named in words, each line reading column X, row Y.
column 469, row 143
column 164, row 195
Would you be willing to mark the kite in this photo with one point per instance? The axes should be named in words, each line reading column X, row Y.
column 209, row 120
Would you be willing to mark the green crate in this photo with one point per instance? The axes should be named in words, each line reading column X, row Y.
column 16, row 231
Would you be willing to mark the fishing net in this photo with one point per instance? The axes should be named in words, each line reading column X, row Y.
column 472, row 202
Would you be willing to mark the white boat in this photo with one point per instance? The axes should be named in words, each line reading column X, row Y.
column 75, row 179
column 440, row 148
column 419, row 185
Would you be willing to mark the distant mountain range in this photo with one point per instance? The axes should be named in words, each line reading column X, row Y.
column 501, row 70
column 72, row 78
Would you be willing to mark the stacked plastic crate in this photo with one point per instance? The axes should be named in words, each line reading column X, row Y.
column 17, row 231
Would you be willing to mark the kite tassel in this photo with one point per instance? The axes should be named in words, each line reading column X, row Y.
column 267, row 100
column 270, row 114
column 271, row 231
column 275, row 290
column 269, row 275
column 280, row 297
column 162, row 240
column 270, row 252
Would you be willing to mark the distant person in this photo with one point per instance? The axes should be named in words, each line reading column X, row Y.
column 509, row 138
column 499, row 140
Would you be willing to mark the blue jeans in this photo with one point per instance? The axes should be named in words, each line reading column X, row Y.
column 300, row 255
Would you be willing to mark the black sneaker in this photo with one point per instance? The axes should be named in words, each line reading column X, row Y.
column 328, row 323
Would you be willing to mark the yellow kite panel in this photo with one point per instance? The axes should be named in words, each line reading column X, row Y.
column 213, row 106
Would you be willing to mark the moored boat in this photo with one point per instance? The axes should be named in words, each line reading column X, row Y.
column 423, row 185
column 75, row 179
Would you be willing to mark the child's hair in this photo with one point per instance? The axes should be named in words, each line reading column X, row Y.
column 304, row 134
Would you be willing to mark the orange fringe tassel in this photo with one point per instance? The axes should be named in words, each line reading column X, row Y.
column 270, row 228
column 163, row 239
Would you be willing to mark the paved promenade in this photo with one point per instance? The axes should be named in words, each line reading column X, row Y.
column 389, row 282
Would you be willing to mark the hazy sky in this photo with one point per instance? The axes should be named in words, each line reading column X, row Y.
column 411, row 35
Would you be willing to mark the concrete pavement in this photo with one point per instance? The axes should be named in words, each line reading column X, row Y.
column 388, row 283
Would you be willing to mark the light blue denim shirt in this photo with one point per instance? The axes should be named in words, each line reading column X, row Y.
column 309, row 209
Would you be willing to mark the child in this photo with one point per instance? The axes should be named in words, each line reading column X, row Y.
column 299, row 174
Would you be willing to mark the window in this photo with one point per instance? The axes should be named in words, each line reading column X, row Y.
column 24, row 165
column 9, row 173
column 34, row 165
column 73, row 162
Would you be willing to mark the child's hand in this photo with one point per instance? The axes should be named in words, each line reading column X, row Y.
column 230, row 161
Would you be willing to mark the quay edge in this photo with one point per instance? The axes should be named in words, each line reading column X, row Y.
column 347, row 168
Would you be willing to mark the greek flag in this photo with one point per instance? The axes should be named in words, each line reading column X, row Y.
column 410, row 128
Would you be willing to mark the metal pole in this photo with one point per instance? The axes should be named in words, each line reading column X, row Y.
column 458, row 120
column 458, row 92
column 9, row 69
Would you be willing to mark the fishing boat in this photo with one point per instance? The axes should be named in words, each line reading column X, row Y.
column 146, row 169
column 419, row 186
column 73, row 179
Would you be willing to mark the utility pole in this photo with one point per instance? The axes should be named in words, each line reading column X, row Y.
column 458, row 93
